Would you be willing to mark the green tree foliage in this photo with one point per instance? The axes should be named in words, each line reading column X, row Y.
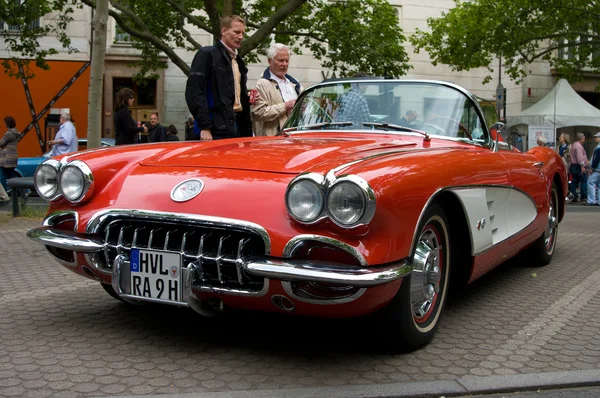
column 474, row 33
column 347, row 36
column 21, row 31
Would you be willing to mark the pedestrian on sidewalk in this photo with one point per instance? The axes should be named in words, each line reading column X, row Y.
column 65, row 140
column 4, row 199
column 216, row 93
column 277, row 93
column 593, row 184
column 578, row 169
column 9, row 155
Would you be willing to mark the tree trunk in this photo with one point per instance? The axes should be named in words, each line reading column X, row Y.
column 99, row 24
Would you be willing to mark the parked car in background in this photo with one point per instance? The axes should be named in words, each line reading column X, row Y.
column 26, row 166
column 351, row 211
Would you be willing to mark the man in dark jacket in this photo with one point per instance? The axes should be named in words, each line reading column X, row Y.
column 216, row 92
column 156, row 132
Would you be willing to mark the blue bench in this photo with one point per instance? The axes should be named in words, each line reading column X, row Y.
column 19, row 186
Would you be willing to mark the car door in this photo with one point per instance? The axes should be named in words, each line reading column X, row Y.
column 529, row 197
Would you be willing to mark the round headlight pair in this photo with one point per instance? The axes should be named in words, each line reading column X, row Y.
column 348, row 202
column 73, row 181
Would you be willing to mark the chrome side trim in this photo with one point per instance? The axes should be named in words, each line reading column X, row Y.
column 325, row 272
column 65, row 240
column 99, row 218
column 294, row 243
column 287, row 287
column 452, row 189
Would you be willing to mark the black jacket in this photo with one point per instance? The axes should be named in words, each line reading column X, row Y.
column 157, row 133
column 125, row 128
column 209, row 93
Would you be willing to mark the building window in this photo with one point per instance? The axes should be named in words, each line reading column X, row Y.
column 17, row 28
column 144, row 92
column 121, row 36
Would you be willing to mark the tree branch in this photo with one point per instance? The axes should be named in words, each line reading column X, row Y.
column 144, row 35
column 191, row 18
column 267, row 28
column 188, row 35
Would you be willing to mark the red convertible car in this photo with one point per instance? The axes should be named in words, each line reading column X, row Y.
column 352, row 210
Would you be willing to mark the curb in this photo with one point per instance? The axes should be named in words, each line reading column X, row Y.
column 465, row 385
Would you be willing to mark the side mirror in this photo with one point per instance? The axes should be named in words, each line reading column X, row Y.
column 498, row 130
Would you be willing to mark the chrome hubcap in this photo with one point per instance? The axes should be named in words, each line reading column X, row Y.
column 551, row 227
column 426, row 274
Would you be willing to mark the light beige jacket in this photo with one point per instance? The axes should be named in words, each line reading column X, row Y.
column 268, row 112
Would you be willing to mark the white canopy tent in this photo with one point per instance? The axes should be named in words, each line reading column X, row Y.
column 561, row 107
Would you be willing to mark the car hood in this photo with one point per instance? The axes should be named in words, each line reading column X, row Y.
column 283, row 155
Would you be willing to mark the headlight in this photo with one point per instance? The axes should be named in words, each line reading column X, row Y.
column 351, row 201
column 76, row 181
column 304, row 200
column 46, row 179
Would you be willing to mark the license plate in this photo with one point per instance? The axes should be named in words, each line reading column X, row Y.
column 155, row 274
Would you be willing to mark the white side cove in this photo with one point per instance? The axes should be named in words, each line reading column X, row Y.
column 494, row 214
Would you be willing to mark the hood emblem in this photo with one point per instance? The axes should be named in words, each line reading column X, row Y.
column 187, row 190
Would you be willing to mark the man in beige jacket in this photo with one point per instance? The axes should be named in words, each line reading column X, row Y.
column 277, row 93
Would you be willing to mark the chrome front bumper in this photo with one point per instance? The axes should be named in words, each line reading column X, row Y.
column 269, row 268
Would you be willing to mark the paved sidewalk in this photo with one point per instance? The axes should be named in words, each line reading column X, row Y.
column 517, row 328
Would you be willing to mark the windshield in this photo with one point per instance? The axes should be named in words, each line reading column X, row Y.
column 432, row 108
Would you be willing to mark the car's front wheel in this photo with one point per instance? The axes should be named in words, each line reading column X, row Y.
column 413, row 315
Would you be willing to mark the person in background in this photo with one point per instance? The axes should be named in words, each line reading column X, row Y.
column 578, row 169
column 593, row 185
column 409, row 117
column 190, row 134
column 277, row 93
column 156, row 132
column 9, row 155
column 4, row 199
column 541, row 141
column 172, row 133
column 65, row 140
column 215, row 92
column 126, row 130
column 564, row 150
column 353, row 106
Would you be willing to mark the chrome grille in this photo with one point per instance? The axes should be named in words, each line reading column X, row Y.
column 216, row 251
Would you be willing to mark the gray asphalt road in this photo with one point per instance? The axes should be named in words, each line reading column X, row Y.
column 521, row 326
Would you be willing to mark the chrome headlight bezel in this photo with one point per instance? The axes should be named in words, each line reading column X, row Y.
column 84, row 173
column 366, row 194
column 327, row 184
column 317, row 181
column 54, row 166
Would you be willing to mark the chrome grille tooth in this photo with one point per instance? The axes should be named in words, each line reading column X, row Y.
column 200, row 254
column 238, row 259
column 135, row 236
column 106, row 245
column 167, row 235
column 219, row 257
column 151, row 237
column 184, row 240
column 120, row 246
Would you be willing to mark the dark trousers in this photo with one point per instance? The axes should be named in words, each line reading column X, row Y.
column 578, row 180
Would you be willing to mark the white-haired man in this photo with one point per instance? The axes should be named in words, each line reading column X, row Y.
column 65, row 140
column 277, row 93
